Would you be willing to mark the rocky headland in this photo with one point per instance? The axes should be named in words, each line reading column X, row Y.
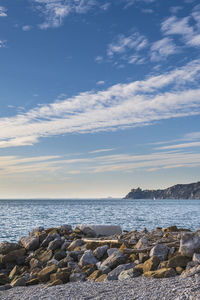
column 178, row 191
column 98, row 253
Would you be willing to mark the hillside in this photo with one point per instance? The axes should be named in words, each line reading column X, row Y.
column 178, row 191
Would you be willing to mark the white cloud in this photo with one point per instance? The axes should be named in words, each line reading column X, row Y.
column 147, row 11
column 100, row 82
column 54, row 11
column 2, row 43
column 183, row 26
column 132, row 2
column 26, row 28
column 138, row 103
column 3, row 11
column 175, row 9
column 101, row 150
column 180, row 146
column 124, row 43
column 162, row 49
column 99, row 59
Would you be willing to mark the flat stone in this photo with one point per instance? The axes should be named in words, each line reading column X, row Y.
column 102, row 230
column 191, row 272
column 15, row 271
column 55, row 282
column 101, row 278
column 45, row 256
column 44, row 274
column 161, row 273
column 161, row 251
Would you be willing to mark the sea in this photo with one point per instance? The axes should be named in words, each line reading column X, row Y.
column 19, row 217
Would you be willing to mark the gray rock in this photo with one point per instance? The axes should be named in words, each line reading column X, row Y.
column 19, row 281
column 117, row 258
column 102, row 230
column 132, row 273
column 190, row 272
column 189, row 244
column 87, row 259
column 191, row 264
column 77, row 277
column 30, row 243
column 74, row 244
column 142, row 243
column 59, row 255
column 51, row 262
column 161, row 251
column 66, row 227
column 89, row 232
column 76, row 255
column 6, row 247
column 65, row 245
column 50, row 238
column 113, row 275
column 5, row 287
column 112, row 250
column 100, row 251
column 196, row 257
column 55, row 244
column 37, row 229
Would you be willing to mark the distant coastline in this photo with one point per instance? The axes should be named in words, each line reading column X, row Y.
column 178, row 191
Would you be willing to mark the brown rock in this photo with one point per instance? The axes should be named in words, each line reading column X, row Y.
column 170, row 229
column 45, row 256
column 95, row 275
column 32, row 281
column 133, row 257
column 178, row 261
column 179, row 270
column 61, row 275
column 21, row 281
column 161, row 273
column 34, row 263
column 12, row 256
column 44, row 274
column 151, row 264
column 139, row 268
column 6, row 247
column 101, row 278
column 55, row 282
column 89, row 269
column 3, row 279
column 15, row 271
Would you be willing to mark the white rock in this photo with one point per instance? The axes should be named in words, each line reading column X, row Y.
column 102, row 230
column 189, row 244
column 161, row 251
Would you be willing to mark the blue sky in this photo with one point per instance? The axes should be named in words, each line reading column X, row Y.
column 98, row 97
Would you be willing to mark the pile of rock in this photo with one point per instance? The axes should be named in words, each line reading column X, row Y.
column 60, row 255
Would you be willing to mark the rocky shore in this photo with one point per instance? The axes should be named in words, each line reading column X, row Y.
column 99, row 256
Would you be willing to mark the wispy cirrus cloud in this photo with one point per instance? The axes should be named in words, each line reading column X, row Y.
column 129, row 3
column 134, row 104
column 54, row 11
column 3, row 11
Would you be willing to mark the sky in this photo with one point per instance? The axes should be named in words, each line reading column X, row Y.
column 98, row 96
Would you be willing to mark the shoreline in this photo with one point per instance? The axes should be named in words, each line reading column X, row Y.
column 99, row 256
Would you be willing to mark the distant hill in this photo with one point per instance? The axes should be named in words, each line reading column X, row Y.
column 178, row 191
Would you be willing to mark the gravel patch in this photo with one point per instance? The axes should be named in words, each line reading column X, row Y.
column 135, row 289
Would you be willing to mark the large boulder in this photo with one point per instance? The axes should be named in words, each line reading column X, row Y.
column 88, row 259
column 117, row 258
column 101, row 230
column 189, row 244
column 74, row 244
column 99, row 252
column 12, row 256
column 161, row 251
column 55, row 244
column 178, row 261
column 30, row 242
column 113, row 275
column 142, row 243
column 6, row 247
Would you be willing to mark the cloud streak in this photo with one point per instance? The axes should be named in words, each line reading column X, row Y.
column 138, row 103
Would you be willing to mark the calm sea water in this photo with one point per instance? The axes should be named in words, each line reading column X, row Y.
column 18, row 217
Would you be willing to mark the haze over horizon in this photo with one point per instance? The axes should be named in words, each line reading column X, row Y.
column 98, row 97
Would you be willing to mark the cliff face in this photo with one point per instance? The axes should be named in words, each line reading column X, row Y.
column 179, row 191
